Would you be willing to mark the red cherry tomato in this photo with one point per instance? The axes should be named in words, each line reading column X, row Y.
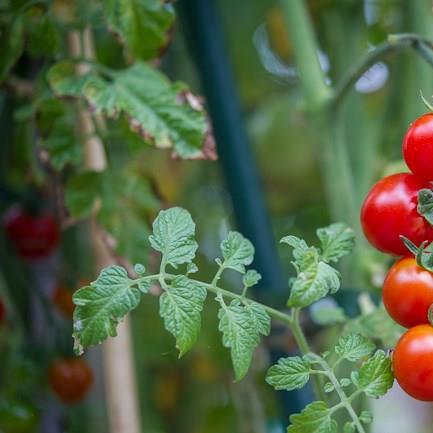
column 62, row 299
column 33, row 237
column 412, row 362
column 70, row 379
column 418, row 147
column 408, row 293
column 389, row 211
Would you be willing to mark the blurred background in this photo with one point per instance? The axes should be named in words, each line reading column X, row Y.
column 274, row 177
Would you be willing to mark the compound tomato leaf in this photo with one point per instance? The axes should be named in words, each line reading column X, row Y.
column 289, row 374
column 142, row 25
column 237, row 252
column 100, row 307
column 164, row 114
column 337, row 240
column 354, row 347
column 375, row 376
column 180, row 307
column 173, row 236
column 315, row 418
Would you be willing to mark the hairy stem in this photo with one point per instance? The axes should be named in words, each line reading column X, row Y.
column 346, row 401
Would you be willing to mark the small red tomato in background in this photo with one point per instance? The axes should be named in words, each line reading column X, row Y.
column 408, row 293
column 33, row 237
column 70, row 379
column 2, row 312
column 62, row 299
column 412, row 362
column 390, row 210
column 418, row 147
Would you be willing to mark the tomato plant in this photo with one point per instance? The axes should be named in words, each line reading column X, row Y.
column 390, row 211
column 412, row 362
column 32, row 236
column 18, row 416
column 408, row 293
column 418, row 147
column 70, row 379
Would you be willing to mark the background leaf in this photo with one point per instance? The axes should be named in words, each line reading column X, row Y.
column 165, row 114
column 142, row 25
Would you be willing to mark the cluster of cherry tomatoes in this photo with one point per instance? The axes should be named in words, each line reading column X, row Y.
column 390, row 211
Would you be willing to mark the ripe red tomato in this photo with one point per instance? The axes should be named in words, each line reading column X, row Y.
column 34, row 237
column 408, row 293
column 412, row 362
column 70, row 379
column 390, row 210
column 418, row 147
column 62, row 299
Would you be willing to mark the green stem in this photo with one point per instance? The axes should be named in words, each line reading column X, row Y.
column 305, row 48
column 304, row 347
column 394, row 43
column 346, row 401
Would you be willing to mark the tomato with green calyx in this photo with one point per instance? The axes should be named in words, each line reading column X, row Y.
column 18, row 416
column 33, row 236
column 408, row 293
column 412, row 362
column 418, row 147
column 70, row 379
column 390, row 210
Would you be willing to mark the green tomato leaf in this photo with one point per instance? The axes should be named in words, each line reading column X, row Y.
column 337, row 240
column 11, row 45
column 142, row 25
column 165, row 114
column 237, row 252
column 354, row 347
column 180, row 306
column 290, row 373
column 100, row 307
column 251, row 278
column 241, row 326
column 366, row 417
column 313, row 283
column 42, row 35
column 304, row 255
column 315, row 418
column 425, row 204
column 375, row 376
column 328, row 387
column 173, row 236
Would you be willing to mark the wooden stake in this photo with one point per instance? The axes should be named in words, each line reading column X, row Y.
column 120, row 383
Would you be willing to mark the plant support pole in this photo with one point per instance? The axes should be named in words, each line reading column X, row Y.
column 120, row 383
